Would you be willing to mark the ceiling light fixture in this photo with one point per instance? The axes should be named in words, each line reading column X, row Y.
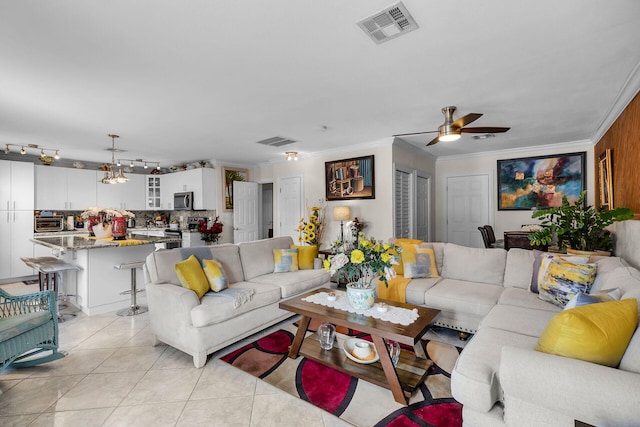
column 145, row 163
column 110, row 176
column 23, row 151
column 291, row 155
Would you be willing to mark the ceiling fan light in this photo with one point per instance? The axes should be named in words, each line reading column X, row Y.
column 450, row 137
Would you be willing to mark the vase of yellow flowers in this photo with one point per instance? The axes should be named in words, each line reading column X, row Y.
column 310, row 230
column 369, row 262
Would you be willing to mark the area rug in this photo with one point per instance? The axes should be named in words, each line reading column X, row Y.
column 353, row 400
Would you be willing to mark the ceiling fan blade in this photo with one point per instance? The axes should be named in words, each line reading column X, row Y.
column 434, row 141
column 486, row 129
column 463, row 121
column 415, row 133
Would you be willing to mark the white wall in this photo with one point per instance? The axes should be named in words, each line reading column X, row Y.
column 376, row 213
column 487, row 163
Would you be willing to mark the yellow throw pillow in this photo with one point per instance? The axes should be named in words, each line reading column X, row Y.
column 597, row 333
column 306, row 256
column 399, row 268
column 191, row 276
column 285, row 260
column 418, row 262
column 215, row 275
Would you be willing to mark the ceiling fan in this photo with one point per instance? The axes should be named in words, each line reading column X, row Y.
column 451, row 130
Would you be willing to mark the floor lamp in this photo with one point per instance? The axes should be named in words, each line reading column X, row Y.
column 342, row 214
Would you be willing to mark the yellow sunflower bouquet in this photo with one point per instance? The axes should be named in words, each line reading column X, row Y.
column 310, row 230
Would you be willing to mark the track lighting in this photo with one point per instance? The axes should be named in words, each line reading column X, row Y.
column 23, row 150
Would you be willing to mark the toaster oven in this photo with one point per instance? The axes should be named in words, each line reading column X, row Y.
column 48, row 223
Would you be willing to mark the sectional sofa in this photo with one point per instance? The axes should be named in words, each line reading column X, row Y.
column 201, row 326
column 499, row 378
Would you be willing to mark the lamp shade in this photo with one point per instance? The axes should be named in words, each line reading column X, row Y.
column 341, row 213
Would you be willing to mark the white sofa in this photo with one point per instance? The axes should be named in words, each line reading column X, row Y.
column 200, row 327
column 499, row 378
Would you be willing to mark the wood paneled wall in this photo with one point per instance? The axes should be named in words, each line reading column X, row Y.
column 623, row 138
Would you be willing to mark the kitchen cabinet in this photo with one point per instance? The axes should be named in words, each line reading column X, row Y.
column 201, row 181
column 191, row 239
column 129, row 195
column 16, row 217
column 65, row 188
column 153, row 192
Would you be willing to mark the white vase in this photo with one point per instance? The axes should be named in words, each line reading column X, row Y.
column 360, row 298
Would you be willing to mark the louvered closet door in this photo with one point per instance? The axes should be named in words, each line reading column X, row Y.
column 403, row 204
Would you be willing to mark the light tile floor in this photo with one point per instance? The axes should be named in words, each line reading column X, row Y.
column 113, row 376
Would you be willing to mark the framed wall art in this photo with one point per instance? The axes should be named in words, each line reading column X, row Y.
column 350, row 179
column 232, row 174
column 605, row 180
column 540, row 181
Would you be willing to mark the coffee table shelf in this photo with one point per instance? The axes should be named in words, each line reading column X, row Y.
column 411, row 369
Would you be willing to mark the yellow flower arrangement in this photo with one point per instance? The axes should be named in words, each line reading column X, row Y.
column 310, row 231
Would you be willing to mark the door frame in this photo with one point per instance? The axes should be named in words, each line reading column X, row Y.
column 428, row 177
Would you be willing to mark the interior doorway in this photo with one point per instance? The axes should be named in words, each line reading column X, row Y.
column 266, row 206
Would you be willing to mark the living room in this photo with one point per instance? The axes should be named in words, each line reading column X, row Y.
column 179, row 89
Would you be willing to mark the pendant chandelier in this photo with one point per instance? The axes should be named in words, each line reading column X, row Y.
column 110, row 176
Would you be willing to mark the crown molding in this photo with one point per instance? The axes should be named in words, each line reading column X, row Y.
column 519, row 151
column 410, row 147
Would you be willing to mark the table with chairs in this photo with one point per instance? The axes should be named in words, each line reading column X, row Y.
column 489, row 237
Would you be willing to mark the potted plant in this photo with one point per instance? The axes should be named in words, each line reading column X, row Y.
column 578, row 226
column 369, row 260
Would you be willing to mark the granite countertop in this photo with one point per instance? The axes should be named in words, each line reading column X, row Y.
column 83, row 241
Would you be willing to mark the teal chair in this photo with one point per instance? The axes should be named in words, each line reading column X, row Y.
column 28, row 327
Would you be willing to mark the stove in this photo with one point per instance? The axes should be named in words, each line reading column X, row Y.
column 193, row 222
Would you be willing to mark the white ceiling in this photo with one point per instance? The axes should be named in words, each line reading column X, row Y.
column 181, row 81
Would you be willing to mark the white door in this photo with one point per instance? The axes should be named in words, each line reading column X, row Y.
column 467, row 209
column 422, row 207
column 289, row 206
column 246, row 209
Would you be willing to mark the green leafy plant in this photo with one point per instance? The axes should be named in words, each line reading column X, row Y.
column 578, row 226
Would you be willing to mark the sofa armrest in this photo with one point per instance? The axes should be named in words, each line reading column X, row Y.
column 592, row 393
column 170, row 305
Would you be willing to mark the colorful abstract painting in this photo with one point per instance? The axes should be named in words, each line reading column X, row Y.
column 540, row 182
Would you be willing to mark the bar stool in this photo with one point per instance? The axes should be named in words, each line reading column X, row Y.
column 134, row 308
column 49, row 276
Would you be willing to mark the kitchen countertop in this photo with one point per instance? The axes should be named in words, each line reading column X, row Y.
column 83, row 241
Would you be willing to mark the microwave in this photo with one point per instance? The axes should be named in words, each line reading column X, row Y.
column 183, row 201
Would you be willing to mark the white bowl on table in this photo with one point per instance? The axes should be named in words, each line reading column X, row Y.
column 102, row 232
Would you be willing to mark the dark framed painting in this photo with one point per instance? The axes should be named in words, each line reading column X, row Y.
column 605, row 180
column 350, row 179
column 540, row 182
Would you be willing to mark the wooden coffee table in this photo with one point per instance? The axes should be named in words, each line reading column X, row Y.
column 402, row 379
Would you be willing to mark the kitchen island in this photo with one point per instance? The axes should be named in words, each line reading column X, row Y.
column 98, row 286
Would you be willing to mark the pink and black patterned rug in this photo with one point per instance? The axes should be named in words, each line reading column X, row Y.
column 355, row 401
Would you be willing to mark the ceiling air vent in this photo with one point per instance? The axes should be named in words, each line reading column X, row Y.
column 389, row 23
column 277, row 141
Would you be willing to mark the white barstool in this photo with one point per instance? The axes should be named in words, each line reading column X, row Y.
column 134, row 308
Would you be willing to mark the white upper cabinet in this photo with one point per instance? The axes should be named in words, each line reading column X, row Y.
column 65, row 188
column 129, row 195
column 201, row 181
column 16, row 185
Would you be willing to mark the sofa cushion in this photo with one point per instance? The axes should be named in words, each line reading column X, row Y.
column 523, row 298
column 257, row 256
column 306, row 256
column 605, row 267
column 285, row 260
column 474, row 264
column 416, row 288
column 475, row 379
column 597, row 333
column 192, row 276
column 219, row 307
column 519, row 268
column 563, row 279
column 463, row 296
column 215, row 274
column 631, row 359
column 419, row 261
column 12, row 326
column 296, row 282
column 521, row 320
